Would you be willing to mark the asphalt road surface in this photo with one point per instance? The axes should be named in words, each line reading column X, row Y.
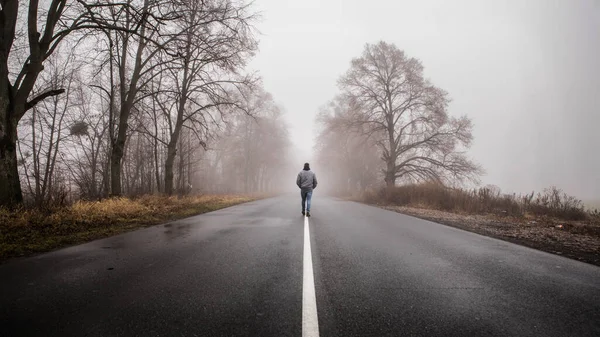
column 247, row 271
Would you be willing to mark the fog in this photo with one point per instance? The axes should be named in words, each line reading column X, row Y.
column 237, row 99
column 525, row 72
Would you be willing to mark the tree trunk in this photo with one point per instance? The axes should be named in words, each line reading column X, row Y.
column 172, row 150
column 10, row 185
column 105, row 179
column 128, row 95
column 171, row 153
column 172, row 147
column 156, row 161
column 118, row 149
column 181, row 176
column 118, row 144
column 390, row 174
column 115, row 167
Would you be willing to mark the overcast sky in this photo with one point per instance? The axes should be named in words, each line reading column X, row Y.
column 527, row 72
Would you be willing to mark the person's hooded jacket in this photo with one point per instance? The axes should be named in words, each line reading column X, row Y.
column 307, row 180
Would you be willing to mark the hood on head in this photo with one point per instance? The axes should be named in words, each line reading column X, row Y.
column 306, row 167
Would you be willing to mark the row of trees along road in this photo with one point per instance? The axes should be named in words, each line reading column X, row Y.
column 102, row 98
column 389, row 122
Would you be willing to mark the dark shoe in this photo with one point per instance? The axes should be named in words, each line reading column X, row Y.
column 308, row 214
column 303, row 213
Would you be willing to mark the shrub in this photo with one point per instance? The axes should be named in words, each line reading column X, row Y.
column 552, row 202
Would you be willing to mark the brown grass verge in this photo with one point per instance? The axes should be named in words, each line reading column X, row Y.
column 552, row 202
column 28, row 231
column 550, row 221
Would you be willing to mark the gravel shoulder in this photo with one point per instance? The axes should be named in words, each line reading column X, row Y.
column 575, row 240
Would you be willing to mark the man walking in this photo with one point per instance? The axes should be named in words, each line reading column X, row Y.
column 307, row 181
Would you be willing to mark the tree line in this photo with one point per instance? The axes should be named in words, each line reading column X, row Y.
column 101, row 98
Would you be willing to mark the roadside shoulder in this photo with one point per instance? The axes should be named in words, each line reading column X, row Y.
column 576, row 240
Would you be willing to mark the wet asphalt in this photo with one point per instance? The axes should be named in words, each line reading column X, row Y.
column 238, row 272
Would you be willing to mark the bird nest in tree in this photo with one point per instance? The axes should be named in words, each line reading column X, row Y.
column 79, row 128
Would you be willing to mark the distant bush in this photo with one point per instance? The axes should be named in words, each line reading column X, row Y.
column 551, row 202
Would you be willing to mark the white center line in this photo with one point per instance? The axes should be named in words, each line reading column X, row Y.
column 310, row 321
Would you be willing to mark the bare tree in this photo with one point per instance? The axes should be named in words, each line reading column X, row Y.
column 45, row 130
column 389, row 100
column 132, row 65
column 214, row 41
column 45, row 29
column 88, row 147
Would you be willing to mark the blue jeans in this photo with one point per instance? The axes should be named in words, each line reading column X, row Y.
column 306, row 196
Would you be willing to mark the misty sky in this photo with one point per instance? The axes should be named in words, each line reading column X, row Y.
column 526, row 72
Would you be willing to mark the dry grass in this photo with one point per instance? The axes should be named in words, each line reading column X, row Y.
column 28, row 231
column 552, row 202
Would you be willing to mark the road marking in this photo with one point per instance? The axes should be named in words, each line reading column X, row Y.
column 310, row 321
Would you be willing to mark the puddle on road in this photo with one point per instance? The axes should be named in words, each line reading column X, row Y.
column 178, row 231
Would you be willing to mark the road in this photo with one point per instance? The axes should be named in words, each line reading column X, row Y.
column 243, row 271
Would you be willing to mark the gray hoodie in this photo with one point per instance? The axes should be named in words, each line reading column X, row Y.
column 307, row 180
